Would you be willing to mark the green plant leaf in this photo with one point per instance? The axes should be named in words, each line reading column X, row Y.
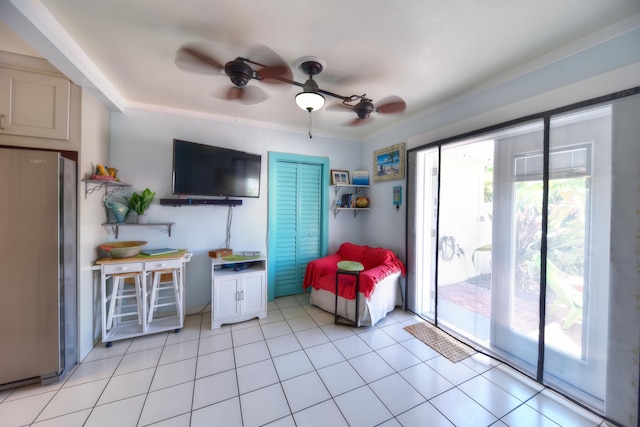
column 141, row 202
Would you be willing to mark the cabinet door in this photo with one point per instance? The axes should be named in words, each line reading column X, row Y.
column 253, row 294
column 33, row 104
column 225, row 297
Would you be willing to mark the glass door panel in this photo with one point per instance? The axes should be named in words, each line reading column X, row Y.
column 578, row 241
column 423, row 236
column 464, row 238
column 518, row 196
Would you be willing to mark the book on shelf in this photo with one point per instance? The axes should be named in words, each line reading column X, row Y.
column 160, row 251
column 348, row 200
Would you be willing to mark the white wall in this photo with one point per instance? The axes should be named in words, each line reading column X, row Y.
column 94, row 131
column 141, row 150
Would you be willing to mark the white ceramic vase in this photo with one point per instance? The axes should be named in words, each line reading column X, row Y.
column 143, row 219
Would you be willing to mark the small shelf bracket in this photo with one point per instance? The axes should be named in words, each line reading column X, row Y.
column 357, row 188
column 336, row 188
column 110, row 187
column 115, row 227
column 336, row 211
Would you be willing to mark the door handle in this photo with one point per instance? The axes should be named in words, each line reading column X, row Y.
column 1, row 121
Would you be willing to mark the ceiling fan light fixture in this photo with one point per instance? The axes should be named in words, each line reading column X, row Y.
column 310, row 101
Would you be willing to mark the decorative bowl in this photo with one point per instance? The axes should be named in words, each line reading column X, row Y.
column 123, row 249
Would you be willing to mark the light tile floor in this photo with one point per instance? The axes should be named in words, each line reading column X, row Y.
column 294, row 368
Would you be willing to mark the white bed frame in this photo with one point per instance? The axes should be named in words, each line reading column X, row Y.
column 385, row 297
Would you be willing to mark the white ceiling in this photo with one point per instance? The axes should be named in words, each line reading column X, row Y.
column 425, row 51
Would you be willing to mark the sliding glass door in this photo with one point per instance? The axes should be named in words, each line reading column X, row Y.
column 510, row 242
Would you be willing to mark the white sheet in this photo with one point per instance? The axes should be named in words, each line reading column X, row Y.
column 386, row 296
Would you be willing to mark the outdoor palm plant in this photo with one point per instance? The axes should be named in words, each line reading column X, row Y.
column 565, row 242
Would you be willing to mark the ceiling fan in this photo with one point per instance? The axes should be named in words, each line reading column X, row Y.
column 268, row 67
column 363, row 108
column 197, row 57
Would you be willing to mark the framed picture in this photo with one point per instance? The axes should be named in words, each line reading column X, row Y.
column 388, row 163
column 360, row 178
column 339, row 177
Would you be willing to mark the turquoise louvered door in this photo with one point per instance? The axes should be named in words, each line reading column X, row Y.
column 296, row 231
column 286, row 243
column 309, row 247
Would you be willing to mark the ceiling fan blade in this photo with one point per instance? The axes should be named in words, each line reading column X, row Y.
column 392, row 105
column 274, row 67
column 358, row 122
column 275, row 74
column 195, row 57
column 247, row 95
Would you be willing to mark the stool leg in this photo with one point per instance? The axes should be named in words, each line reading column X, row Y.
column 142, row 304
column 181, row 283
column 138, row 285
column 112, row 303
column 357, row 315
column 155, row 282
column 335, row 309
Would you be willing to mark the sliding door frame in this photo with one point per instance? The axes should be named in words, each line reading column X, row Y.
column 610, row 395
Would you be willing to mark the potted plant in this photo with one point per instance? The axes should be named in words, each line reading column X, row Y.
column 140, row 203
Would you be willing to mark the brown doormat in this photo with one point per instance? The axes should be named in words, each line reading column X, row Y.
column 440, row 341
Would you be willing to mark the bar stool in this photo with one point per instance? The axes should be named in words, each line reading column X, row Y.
column 159, row 278
column 120, row 293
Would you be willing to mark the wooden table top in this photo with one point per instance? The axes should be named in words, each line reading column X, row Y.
column 140, row 257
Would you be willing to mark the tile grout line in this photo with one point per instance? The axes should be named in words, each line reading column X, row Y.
column 304, row 351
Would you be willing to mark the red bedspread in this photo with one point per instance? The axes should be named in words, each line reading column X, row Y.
column 378, row 263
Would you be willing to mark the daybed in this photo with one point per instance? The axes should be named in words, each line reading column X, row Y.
column 379, row 285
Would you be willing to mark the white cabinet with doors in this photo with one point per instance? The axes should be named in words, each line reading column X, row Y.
column 238, row 290
column 34, row 104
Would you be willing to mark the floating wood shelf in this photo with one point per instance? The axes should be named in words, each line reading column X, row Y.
column 115, row 227
column 198, row 202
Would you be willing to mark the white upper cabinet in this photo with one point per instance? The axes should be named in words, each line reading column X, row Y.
column 33, row 104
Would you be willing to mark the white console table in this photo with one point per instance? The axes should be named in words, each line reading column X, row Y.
column 238, row 295
column 144, row 265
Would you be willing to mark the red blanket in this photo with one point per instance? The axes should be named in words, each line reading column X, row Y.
column 378, row 263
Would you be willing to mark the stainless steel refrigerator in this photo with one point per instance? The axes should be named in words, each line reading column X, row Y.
column 38, row 313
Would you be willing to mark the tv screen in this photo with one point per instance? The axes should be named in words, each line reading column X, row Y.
column 205, row 170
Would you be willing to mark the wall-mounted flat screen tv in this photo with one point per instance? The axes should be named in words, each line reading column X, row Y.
column 205, row 170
